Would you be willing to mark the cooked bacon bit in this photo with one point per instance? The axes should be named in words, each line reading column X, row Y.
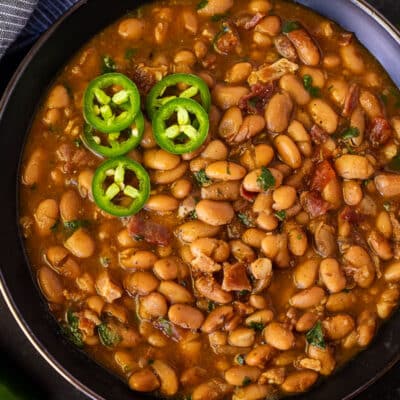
column 267, row 73
column 257, row 99
column 205, row 264
column 74, row 158
column 145, row 77
column 151, row 232
column 345, row 38
column 323, row 174
column 380, row 131
column 318, row 135
column 314, row 204
column 351, row 100
column 285, row 48
column 249, row 196
column 88, row 320
column 235, row 278
column 106, row 288
column 227, row 40
column 249, row 22
column 350, row 214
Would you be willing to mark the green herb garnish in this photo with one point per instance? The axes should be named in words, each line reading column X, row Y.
column 245, row 220
column 244, row 293
column 72, row 330
column 202, row 4
column 72, row 226
column 201, row 178
column 56, row 225
column 266, row 180
column 387, row 206
column 308, row 85
column 105, row 262
column 240, row 359
column 108, row 336
column 315, row 336
column 257, row 326
column 350, row 133
column 246, row 381
column 281, row 215
column 108, row 65
column 218, row 17
column 129, row 53
column 289, row 26
column 78, row 143
column 165, row 326
column 211, row 306
column 192, row 214
column 394, row 163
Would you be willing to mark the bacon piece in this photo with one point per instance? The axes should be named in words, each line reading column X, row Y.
column 318, row 135
column 314, row 204
column 285, row 48
column 248, row 22
column 205, row 264
column 350, row 215
column 227, row 40
column 145, row 77
column 257, row 99
column 249, row 196
column 380, row 131
column 151, row 232
column 106, row 288
column 323, row 174
column 271, row 72
column 351, row 100
column 235, row 278
column 74, row 158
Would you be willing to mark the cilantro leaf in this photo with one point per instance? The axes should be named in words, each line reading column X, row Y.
column 108, row 336
column 202, row 4
column 218, row 17
column 108, row 65
column 165, row 326
column 245, row 220
column 201, row 178
column 211, row 306
column 129, row 53
column 350, row 133
column 281, row 215
column 72, row 226
column 394, row 163
column 257, row 326
column 315, row 336
column 308, row 85
column 289, row 26
column 266, row 180
column 246, row 381
column 240, row 359
column 71, row 329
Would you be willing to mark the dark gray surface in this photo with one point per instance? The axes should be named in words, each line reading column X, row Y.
column 24, row 362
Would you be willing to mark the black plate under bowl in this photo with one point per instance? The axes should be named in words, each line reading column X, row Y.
column 17, row 107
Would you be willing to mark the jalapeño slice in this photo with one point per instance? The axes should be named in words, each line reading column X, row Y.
column 195, row 86
column 180, row 126
column 114, row 144
column 111, row 103
column 121, row 186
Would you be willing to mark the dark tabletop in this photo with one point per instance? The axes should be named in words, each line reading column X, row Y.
column 24, row 366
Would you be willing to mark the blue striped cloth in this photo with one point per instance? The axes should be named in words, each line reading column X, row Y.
column 22, row 21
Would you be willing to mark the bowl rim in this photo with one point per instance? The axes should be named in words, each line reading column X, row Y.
column 363, row 5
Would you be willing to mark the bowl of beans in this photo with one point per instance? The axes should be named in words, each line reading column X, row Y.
column 207, row 199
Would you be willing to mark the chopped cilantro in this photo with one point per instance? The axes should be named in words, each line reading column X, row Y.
column 266, row 180
column 257, row 326
column 350, row 133
column 54, row 228
column 396, row 94
column 72, row 330
column 244, row 293
column 165, row 326
column 366, row 182
column 281, row 215
column 202, row 4
column 394, row 163
column 201, row 178
column 129, row 53
column 108, row 65
column 315, row 336
column 240, row 359
column 218, row 17
column 210, row 306
column 150, row 361
column 193, row 214
column 289, row 26
column 138, row 237
column 245, row 220
column 108, row 336
column 72, row 226
column 246, row 381
column 105, row 262
column 308, row 85
column 387, row 205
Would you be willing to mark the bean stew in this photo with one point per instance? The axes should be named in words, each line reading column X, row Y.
column 210, row 198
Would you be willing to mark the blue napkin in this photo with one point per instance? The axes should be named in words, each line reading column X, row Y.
column 22, row 21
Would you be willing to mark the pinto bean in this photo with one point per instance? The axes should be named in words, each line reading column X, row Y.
column 153, row 305
column 225, row 171
column 305, row 273
column 392, row 272
column 297, row 239
column 46, row 215
column 308, row 298
column 299, row 381
column 175, row 293
column 181, row 188
column 167, row 268
column 231, row 122
column 160, row 159
column 34, row 167
column 131, row 28
column 217, row 318
column 212, row 290
column 306, row 321
column 242, row 337
column 278, row 336
column 366, row 327
column 144, row 381
column 384, row 225
column 252, row 392
column 338, row 326
column 185, row 316
column 214, row 7
column 338, row 302
column 238, row 73
column 291, row 84
column 357, row 120
column 288, row 151
column 352, row 166
column 192, row 230
column 133, row 258
column 257, row 156
column 214, row 213
column 361, row 264
column 388, row 185
column 50, row 285
column 170, row 176
column 80, row 244
column 352, row 59
column 70, row 206
column 332, row 275
column 218, row 250
column 305, row 46
column 213, row 389
column 387, row 301
column 215, row 150
column 370, row 104
column 161, row 203
column 379, row 245
column 278, row 112
column 253, row 237
column 324, row 115
column 352, row 193
column 260, row 355
column 141, row 283
column 185, row 57
column 225, row 190
column 260, row 6
column 228, row 96
column 236, row 375
column 325, row 356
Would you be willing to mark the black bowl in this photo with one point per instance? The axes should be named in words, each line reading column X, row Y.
column 17, row 107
